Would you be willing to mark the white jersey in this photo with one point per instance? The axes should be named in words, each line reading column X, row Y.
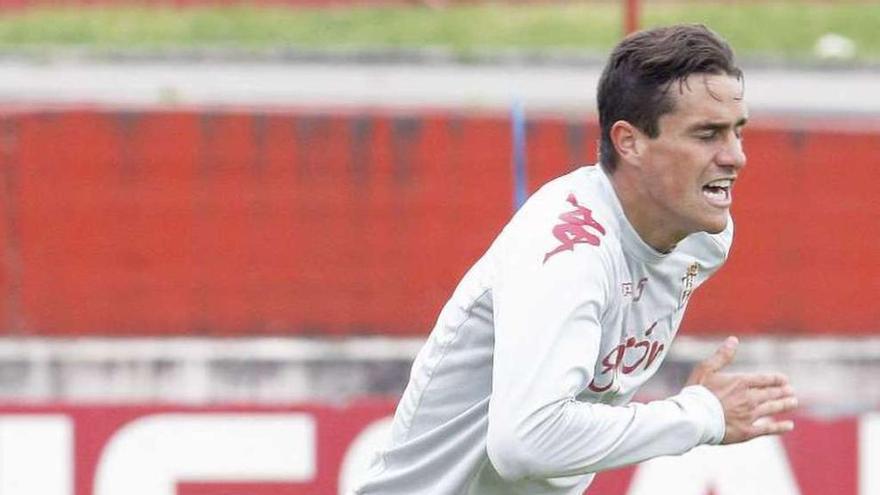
column 523, row 385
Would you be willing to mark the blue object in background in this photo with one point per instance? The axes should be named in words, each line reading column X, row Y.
column 520, row 179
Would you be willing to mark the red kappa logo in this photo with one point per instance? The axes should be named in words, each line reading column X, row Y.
column 573, row 229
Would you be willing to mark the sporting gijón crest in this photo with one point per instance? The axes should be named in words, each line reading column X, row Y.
column 577, row 227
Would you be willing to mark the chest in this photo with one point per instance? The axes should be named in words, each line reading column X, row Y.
column 639, row 325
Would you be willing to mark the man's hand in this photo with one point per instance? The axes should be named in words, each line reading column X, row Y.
column 748, row 400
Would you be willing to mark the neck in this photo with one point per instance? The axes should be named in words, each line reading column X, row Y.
column 650, row 222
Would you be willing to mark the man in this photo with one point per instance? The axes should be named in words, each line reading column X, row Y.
column 523, row 385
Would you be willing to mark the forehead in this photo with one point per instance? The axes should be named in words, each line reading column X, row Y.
column 708, row 96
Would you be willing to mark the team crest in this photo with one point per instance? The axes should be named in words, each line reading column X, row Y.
column 687, row 282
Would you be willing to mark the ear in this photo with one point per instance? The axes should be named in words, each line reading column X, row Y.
column 627, row 141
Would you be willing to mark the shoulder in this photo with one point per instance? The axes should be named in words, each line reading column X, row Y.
column 566, row 222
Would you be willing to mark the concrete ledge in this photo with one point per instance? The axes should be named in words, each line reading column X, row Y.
column 832, row 376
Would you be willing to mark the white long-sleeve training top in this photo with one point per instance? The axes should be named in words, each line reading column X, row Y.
column 523, row 383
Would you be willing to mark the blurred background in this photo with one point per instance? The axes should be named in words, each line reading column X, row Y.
column 227, row 227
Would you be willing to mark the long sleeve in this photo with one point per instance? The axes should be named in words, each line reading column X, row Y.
column 548, row 333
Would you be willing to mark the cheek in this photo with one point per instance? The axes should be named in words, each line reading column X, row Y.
column 670, row 190
column 679, row 178
column 678, row 172
column 691, row 169
column 684, row 191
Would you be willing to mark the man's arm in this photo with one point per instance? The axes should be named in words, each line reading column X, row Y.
column 547, row 341
column 548, row 333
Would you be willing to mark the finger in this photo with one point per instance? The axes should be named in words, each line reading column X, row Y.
column 771, row 428
column 766, row 380
column 772, row 407
column 771, row 393
column 722, row 357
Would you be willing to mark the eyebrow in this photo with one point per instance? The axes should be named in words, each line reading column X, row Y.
column 718, row 126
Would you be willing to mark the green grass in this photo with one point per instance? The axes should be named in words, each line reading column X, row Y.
column 787, row 29
column 783, row 29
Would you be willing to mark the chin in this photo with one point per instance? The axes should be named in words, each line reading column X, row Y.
column 715, row 225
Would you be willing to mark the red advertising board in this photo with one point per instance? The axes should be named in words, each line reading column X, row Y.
column 321, row 450
column 294, row 222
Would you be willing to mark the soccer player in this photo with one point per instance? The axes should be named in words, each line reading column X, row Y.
column 524, row 384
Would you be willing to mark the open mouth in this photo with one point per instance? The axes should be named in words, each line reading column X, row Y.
column 718, row 192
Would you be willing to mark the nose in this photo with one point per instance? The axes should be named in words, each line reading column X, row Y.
column 732, row 154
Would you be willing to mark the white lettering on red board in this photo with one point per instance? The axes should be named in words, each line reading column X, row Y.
column 361, row 452
column 757, row 467
column 155, row 452
column 36, row 454
column 150, row 455
column 869, row 454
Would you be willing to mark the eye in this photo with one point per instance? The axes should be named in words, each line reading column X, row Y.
column 707, row 135
column 738, row 132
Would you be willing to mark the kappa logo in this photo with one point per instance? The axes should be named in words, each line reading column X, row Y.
column 573, row 229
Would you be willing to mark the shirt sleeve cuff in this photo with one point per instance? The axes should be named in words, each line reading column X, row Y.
column 701, row 402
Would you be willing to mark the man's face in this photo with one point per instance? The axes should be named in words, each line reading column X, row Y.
column 689, row 168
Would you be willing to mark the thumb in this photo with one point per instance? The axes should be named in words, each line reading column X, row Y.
column 714, row 363
column 723, row 356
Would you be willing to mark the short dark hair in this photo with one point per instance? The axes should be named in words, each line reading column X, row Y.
column 635, row 82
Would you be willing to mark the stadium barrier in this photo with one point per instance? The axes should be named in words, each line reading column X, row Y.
column 254, row 222
column 320, row 450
